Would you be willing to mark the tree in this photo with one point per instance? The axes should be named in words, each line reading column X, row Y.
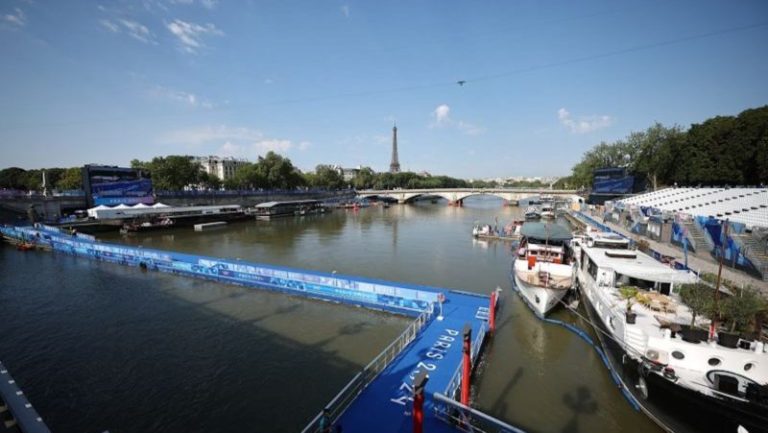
column 12, row 177
column 628, row 293
column 173, row 172
column 741, row 308
column 327, row 177
column 208, row 180
column 364, row 179
column 71, row 179
column 247, row 176
column 697, row 297
column 653, row 152
column 278, row 172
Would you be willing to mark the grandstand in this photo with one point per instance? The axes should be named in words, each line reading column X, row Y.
column 748, row 206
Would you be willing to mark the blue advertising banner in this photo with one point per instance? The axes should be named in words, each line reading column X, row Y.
column 622, row 185
column 358, row 291
column 112, row 192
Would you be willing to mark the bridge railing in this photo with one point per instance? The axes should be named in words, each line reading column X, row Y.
column 467, row 419
column 354, row 387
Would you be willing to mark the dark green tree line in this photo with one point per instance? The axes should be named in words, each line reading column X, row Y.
column 723, row 150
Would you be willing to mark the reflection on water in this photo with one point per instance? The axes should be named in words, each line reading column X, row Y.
column 95, row 345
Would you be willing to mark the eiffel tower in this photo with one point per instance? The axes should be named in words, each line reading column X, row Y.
column 394, row 166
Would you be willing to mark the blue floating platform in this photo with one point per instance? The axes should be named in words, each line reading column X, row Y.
column 380, row 401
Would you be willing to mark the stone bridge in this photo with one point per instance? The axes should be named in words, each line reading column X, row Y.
column 456, row 196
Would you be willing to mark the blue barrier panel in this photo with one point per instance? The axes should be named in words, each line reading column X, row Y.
column 399, row 298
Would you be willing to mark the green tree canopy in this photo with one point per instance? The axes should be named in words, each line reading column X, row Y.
column 327, row 177
column 72, row 178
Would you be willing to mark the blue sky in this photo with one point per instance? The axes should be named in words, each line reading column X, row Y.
column 323, row 81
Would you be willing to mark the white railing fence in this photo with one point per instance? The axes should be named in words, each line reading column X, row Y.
column 467, row 419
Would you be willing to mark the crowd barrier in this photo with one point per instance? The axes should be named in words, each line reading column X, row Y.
column 398, row 298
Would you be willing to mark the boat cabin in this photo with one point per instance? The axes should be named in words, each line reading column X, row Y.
column 544, row 243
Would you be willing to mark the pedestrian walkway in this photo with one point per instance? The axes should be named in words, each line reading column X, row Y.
column 386, row 404
column 695, row 262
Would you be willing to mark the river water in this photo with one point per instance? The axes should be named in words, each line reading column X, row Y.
column 97, row 346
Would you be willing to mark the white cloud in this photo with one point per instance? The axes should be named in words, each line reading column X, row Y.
column 179, row 96
column 109, row 25
column 345, row 11
column 442, row 119
column 268, row 81
column 469, row 128
column 209, row 4
column 275, row 145
column 17, row 19
column 134, row 29
column 441, row 115
column 191, row 35
column 233, row 141
column 583, row 124
column 138, row 31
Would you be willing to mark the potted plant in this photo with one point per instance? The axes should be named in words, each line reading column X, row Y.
column 697, row 297
column 739, row 311
column 628, row 293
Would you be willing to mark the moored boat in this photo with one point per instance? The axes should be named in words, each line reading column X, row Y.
column 532, row 213
column 682, row 379
column 510, row 231
column 542, row 272
column 145, row 226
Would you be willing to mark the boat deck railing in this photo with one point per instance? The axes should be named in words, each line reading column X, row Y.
column 467, row 419
column 354, row 387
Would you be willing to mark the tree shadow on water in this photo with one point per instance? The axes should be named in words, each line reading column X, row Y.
column 580, row 402
column 500, row 406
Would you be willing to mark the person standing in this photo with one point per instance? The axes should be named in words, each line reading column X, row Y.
column 325, row 422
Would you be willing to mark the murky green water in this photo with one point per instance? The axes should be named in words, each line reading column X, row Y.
column 98, row 346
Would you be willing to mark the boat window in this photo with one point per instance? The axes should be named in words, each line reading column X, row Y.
column 714, row 362
column 643, row 284
column 664, row 288
column 592, row 269
column 748, row 366
column 678, row 354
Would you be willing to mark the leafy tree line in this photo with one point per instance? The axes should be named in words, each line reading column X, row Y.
column 723, row 150
column 61, row 179
column 271, row 171
column 176, row 172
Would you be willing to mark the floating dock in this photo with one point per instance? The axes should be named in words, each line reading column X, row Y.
column 12, row 398
column 380, row 397
column 212, row 225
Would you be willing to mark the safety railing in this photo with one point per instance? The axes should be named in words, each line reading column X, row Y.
column 354, row 387
column 455, row 382
column 467, row 419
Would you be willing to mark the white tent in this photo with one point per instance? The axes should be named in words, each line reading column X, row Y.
column 121, row 206
column 92, row 212
column 156, row 205
column 140, row 206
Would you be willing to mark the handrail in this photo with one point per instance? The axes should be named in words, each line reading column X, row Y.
column 455, row 382
column 468, row 419
column 341, row 401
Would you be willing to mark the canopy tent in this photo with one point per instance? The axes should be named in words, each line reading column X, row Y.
column 545, row 231
column 92, row 212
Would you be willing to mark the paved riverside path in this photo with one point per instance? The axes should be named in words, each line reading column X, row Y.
column 695, row 262
column 385, row 405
